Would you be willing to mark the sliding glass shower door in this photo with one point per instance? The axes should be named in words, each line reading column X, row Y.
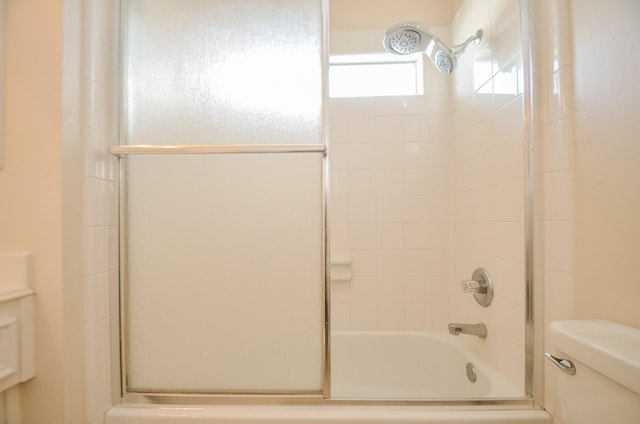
column 222, row 155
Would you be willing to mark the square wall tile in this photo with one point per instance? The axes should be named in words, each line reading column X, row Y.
column 362, row 236
column 389, row 209
column 390, row 236
column 417, row 316
column 96, row 250
column 364, row 316
column 362, row 182
column 389, row 182
column 362, row 209
column 391, row 317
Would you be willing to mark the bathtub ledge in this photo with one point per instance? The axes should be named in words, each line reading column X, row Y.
column 319, row 415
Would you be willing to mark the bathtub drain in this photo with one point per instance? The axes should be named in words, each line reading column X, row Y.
column 471, row 372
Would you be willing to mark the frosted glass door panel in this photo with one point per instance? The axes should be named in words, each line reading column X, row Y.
column 225, row 273
column 223, row 72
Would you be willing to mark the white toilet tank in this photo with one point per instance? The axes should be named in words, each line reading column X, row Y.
column 606, row 385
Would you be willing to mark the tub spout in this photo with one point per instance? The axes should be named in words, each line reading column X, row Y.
column 478, row 329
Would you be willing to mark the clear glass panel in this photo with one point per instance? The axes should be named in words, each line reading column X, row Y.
column 225, row 273
column 223, row 72
column 424, row 190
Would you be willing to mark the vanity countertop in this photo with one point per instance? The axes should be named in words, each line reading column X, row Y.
column 8, row 293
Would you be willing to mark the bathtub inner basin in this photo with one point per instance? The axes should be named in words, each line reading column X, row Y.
column 411, row 365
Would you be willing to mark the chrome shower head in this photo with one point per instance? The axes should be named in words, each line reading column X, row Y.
column 410, row 37
column 442, row 56
column 406, row 38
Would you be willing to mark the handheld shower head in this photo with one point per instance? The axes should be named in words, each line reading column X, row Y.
column 442, row 56
column 410, row 37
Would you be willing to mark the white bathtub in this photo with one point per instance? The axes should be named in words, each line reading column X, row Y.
column 411, row 365
column 375, row 365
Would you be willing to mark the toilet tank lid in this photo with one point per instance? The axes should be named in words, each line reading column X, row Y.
column 608, row 347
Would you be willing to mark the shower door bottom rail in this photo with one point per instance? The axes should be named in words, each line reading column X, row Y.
column 144, row 149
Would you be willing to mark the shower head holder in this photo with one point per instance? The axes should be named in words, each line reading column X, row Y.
column 475, row 39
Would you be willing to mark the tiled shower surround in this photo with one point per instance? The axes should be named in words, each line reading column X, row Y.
column 407, row 176
column 488, row 168
column 100, row 203
column 390, row 209
column 425, row 189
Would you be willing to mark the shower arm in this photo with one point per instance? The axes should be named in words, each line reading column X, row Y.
column 477, row 37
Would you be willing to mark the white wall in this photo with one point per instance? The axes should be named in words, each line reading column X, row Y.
column 587, row 174
column 607, row 157
column 40, row 198
column 381, row 14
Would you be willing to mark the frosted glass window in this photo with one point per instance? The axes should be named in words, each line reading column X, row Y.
column 223, row 72
column 224, row 273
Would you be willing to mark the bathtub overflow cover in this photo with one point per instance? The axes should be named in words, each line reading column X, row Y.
column 471, row 372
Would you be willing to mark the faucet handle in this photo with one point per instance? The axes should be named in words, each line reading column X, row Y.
column 473, row 286
column 481, row 285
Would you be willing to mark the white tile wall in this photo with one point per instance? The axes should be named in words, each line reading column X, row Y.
column 554, row 172
column 460, row 187
column 390, row 206
column 488, row 186
column 99, row 204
